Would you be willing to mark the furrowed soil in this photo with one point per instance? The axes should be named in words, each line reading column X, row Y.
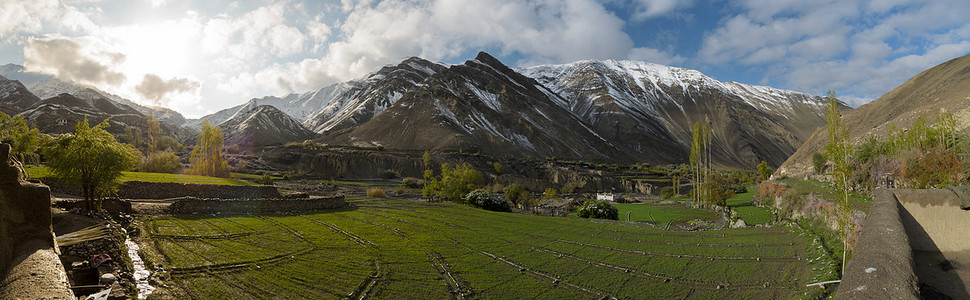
column 404, row 249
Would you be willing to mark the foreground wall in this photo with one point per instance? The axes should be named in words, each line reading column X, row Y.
column 882, row 263
column 29, row 263
column 244, row 206
column 166, row 190
column 934, row 220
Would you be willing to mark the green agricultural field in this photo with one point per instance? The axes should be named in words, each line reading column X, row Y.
column 398, row 249
column 661, row 215
column 746, row 209
column 41, row 172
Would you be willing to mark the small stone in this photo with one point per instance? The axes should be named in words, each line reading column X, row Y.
column 107, row 278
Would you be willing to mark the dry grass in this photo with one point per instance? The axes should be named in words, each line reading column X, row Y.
column 376, row 192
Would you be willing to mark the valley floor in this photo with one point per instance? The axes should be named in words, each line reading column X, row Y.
column 393, row 248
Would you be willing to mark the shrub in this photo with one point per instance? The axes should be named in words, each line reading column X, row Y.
column 376, row 192
column 514, row 193
column 764, row 170
column 162, row 162
column 667, row 192
column 499, row 169
column 265, row 179
column 818, row 161
column 938, row 168
column 549, row 194
column 568, row 188
column 389, row 174
column 486, row 200
column 598, row 210
column 455, row 182
column 412, row 182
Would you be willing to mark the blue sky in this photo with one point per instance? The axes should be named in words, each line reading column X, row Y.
column 201, row 56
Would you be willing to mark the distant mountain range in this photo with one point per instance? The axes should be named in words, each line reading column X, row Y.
column 945, row 87
column 608, row 111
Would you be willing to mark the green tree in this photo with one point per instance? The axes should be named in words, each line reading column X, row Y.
column 92, row 159
column 455, row 182
column 514, row 193
column 818, row 162
column 154, row 132
column 838, row 150
column 764, row 170
column 24, row 140
column 207, row 158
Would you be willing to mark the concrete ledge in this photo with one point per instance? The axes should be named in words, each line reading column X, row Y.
column 882, row 266
column 36, row 275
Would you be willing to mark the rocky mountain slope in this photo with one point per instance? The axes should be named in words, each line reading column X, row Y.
column 650, row 108
column 46, row 86
column 344, row 104
column 262, row 125
column 14, row 97
column 616, row 111
column 59, row 114
column 943, row 87
column 482, row 105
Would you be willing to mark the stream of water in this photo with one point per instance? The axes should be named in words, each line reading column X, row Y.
column 140, row 273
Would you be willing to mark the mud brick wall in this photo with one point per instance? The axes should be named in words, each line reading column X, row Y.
column 166, row 190
column 246, row 206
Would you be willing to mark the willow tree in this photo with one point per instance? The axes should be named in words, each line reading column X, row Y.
column 92, row 159
column 23, row 140
column 838, row 150
column 207, row 157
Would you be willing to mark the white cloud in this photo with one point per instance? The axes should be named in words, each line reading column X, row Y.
column 651, row 8
column 33, row 16
column 256, row 32
column 157, row 3
column 861, row 48
column 85, row 60
column 154, row 88
column 377, row 34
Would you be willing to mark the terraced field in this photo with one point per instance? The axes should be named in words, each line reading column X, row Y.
column 385, row 248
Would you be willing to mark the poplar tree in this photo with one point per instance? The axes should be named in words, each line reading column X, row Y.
column 838, row 150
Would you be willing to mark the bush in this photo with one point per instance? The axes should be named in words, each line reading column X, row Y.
column 265, row 179
column 499, row 168
column 514, row 193
column 454, row 183
column 486, row 200
column 376, row 192
column 938, row 168
column 598, row 210
column 667, row 192
column 818, row 161
column 162, row 162
column 764, row 170
column 549, row 194
column 412, row 182
column 389, row 174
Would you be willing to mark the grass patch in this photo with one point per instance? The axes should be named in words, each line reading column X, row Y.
column 42, row 172
column 747, row 210
column 661, row 215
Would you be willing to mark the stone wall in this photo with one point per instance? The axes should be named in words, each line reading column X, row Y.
column 882, row 266
column 29, row 264
column 166, row 190
column 244, row 206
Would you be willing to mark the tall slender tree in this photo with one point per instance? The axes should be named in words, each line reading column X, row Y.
column 838, row 150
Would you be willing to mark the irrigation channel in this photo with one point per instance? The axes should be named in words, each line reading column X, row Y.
column 140, row 273
column 392, row 249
